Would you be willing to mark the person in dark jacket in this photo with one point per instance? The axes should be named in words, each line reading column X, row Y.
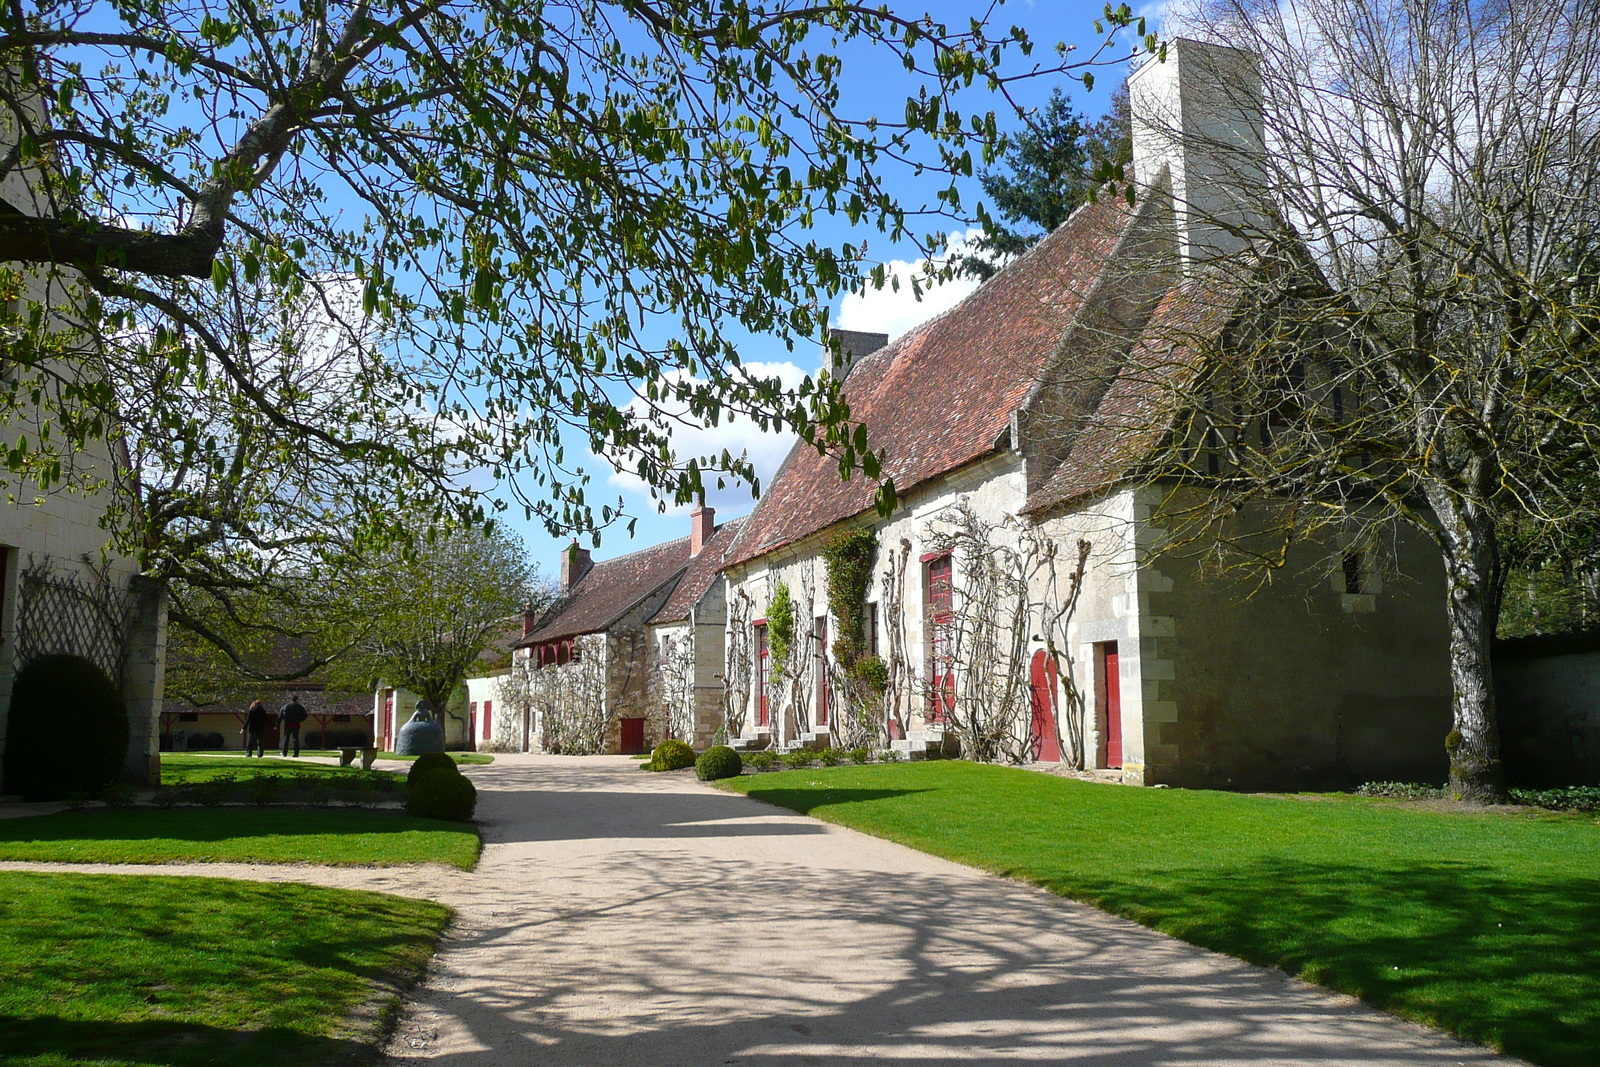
column 255, row 729
column 290, row 716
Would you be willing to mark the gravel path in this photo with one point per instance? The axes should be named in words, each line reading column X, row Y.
column 621, row 918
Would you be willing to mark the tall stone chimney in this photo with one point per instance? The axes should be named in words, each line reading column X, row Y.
column 847, row 346
column 530, row 619
column 702, row 524
column 1199, row 115
column 575, row 563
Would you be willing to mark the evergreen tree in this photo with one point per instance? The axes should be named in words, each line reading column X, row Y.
column 1051, row 168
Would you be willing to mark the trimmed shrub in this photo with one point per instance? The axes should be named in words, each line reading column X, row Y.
column 671, row 755
column 763, row 760
column 68, row 730
column 718, row 761
column 831, row 757
column 431, row 761
column 442, row 794
column 798, row 757
column 860, row 755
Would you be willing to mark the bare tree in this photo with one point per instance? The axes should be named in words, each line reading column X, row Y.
column 741, row 665
column 1406, row 265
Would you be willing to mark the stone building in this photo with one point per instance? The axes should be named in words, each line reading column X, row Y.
column 586, row 671
column 686, row 635
column 1014, row 428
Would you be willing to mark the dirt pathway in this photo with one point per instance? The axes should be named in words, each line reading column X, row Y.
column 621, row 918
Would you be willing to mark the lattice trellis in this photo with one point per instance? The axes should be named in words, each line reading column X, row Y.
column 79, row 612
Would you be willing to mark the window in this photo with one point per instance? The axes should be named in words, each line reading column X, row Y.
column 819, row 631
column 937, row 601
column 1352, row 571
column 341, row 718
column 188, row 716
column 762, row 666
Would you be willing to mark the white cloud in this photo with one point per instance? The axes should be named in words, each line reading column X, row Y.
column 895, row 311
column 764, row 448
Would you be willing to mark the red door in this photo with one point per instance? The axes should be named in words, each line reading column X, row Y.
column 632, row 736
column 1042, row 742
column 1111, row 745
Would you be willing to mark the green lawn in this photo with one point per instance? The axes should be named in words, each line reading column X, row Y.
column 194, row 768
column 238, row 835
column 1484, row 924
column 136, row 971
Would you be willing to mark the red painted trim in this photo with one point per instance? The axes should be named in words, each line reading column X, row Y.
column 929, row 557
column 759, row 622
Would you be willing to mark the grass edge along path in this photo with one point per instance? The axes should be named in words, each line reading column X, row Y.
column 330, row 837
column 116, row 970
column 1486, row 925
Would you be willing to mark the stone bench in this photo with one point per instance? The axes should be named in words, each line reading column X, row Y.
column 347, row 756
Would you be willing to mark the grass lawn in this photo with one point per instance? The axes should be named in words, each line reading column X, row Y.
column 238, row 835
column 194, row 768
column 1484, row 924
column 118, row 970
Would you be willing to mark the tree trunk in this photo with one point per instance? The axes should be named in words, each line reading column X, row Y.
column 1472, row 583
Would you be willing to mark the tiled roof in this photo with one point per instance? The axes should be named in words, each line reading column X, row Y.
column 610, row 590
column 1136, row 411
column 943, row 394
column 703, row 570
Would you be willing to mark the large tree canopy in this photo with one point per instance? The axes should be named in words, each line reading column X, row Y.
column 332, row 269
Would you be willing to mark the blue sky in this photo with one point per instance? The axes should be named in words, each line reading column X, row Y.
column 882, row 311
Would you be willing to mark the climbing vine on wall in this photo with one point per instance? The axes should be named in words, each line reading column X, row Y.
column 848, row 558
column 780, row 628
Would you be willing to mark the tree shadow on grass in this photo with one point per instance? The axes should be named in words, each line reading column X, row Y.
column 52, row 1039
column 1513, row 963
column 806, row 799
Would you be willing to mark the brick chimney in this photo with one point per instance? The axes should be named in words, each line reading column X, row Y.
column 575, row 563
column 530, row 618
column 847, row 346
column 702, row 524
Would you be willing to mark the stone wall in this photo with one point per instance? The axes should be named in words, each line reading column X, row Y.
column 1548, row 690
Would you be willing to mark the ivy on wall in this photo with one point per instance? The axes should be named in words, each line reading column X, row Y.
column 780, row 628
column 848, row 558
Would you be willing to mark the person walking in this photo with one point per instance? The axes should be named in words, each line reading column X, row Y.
column 255, row 729
column 290, row 716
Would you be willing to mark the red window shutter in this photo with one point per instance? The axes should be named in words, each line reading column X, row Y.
column 488, row 706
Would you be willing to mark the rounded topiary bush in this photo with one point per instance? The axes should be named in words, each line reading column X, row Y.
column 68, row 731
column 442, row 794
column 431, row 761
column 718, row 761
column 671, row 755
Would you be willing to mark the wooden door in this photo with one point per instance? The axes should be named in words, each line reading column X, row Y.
column 1111, row 731
column 632, row 736
column 1043, row 744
